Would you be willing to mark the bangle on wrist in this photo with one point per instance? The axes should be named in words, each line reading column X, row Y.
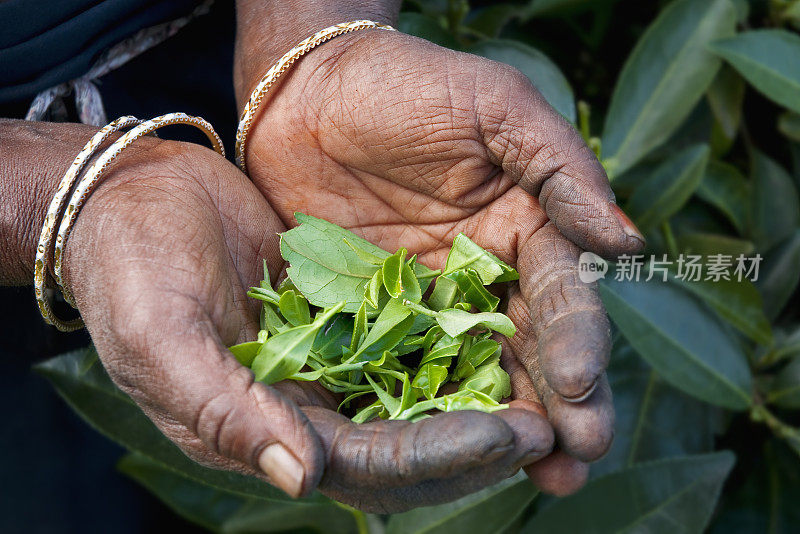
column 85, row 186
column 281, row 66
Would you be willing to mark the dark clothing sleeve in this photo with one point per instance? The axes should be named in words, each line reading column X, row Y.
column 44, row 43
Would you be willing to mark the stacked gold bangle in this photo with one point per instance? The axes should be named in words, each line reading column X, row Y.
column 281, row 66
column 82, row 191
column 95, row 173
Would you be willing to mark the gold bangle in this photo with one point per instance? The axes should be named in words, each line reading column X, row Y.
column 281, row 66
column 90, row 180
column 56, row 205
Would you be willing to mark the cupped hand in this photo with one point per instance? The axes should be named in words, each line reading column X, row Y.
column 159, row 262
column 407, row 144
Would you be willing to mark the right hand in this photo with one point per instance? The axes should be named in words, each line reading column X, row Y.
column 159, row 262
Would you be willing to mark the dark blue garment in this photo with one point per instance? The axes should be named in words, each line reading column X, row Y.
column 47, row 42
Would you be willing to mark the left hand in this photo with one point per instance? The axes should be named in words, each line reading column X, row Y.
column 407, row 144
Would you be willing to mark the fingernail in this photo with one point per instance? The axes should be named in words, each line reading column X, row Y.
column 283, row 469
column 582, row 396
column 627, row 225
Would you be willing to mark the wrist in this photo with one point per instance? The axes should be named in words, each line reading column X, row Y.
column 33, row 157
column 267, row 29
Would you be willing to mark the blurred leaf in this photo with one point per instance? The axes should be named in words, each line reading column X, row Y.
column 539, row 69
column 667, row 73
column 489, row 510
column 191, row 500
column 738, row 302
column 665, row 191
column 491, row 20
column 725, row 188
column 765, row 497
column 789, row 125
column 683, row 341
column 89, row 391
column 780, row 272
column 676, row 495
column 222, row 511
column 653, row 419
column 775, row 204
column 725, row 97
column 707, row 244
column 540, row 8
column 768, row 60
column 784, row 391
column 426, row 27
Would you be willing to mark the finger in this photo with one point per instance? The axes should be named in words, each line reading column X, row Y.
column 389, row 466
column 176, row 365
column 538, row 148
column 583, row 429
column 559, row 474
column 567, row 317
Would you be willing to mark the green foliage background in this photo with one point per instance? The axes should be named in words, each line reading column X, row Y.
column 693, row 106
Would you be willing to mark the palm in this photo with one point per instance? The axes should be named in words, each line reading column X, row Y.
column 407, row 144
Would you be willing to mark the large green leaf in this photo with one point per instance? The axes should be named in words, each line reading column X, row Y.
column 83, row 383
column 775, row 203
column 725, row 188
column 668, row 188
column 489, row 510
column 764, row 497
column 667, row 73
column 539, row 69
column 780, row 273
column 676, row 495
column 784, row 391
column 226, row 512
column 736, row 301
column 426, row 27
column 682, row 340
column 653, row 419
column 706, row 244
column 768, row 60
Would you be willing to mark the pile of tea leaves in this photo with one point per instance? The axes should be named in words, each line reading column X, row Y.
column 354, row 318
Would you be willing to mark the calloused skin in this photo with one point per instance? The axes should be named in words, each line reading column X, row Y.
column 159, row 261
column 407, row 144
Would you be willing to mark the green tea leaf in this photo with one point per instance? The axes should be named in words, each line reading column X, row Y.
column 246, row 352
column 294, row 307
column 780, row 274
column 391, row 326
column 725, row 97
column 286, row 353
column 445, row 348
column 768, row 60
column 429, row 378
column 681, row 340
column 477, row 354
column 665, row 496
column 489, row 379
column 653, row 419
column 725, row 188
column 392, row 273
column 540, row 70
column 359, row 327
column 466, row 254
column 784, row 391
column 669, row 187
column 473, row 291
column 775, row 203
column 455, row 322
column 326, row 269
column 738, row 302
column 444, row 294
column 789, row 124
column 373, row 290
column 330, row 339
column 665, row 76
column 391, row 403
column 489, row 510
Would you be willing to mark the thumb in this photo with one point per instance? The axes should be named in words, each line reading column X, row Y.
column 192, row 379
column 547, row 157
